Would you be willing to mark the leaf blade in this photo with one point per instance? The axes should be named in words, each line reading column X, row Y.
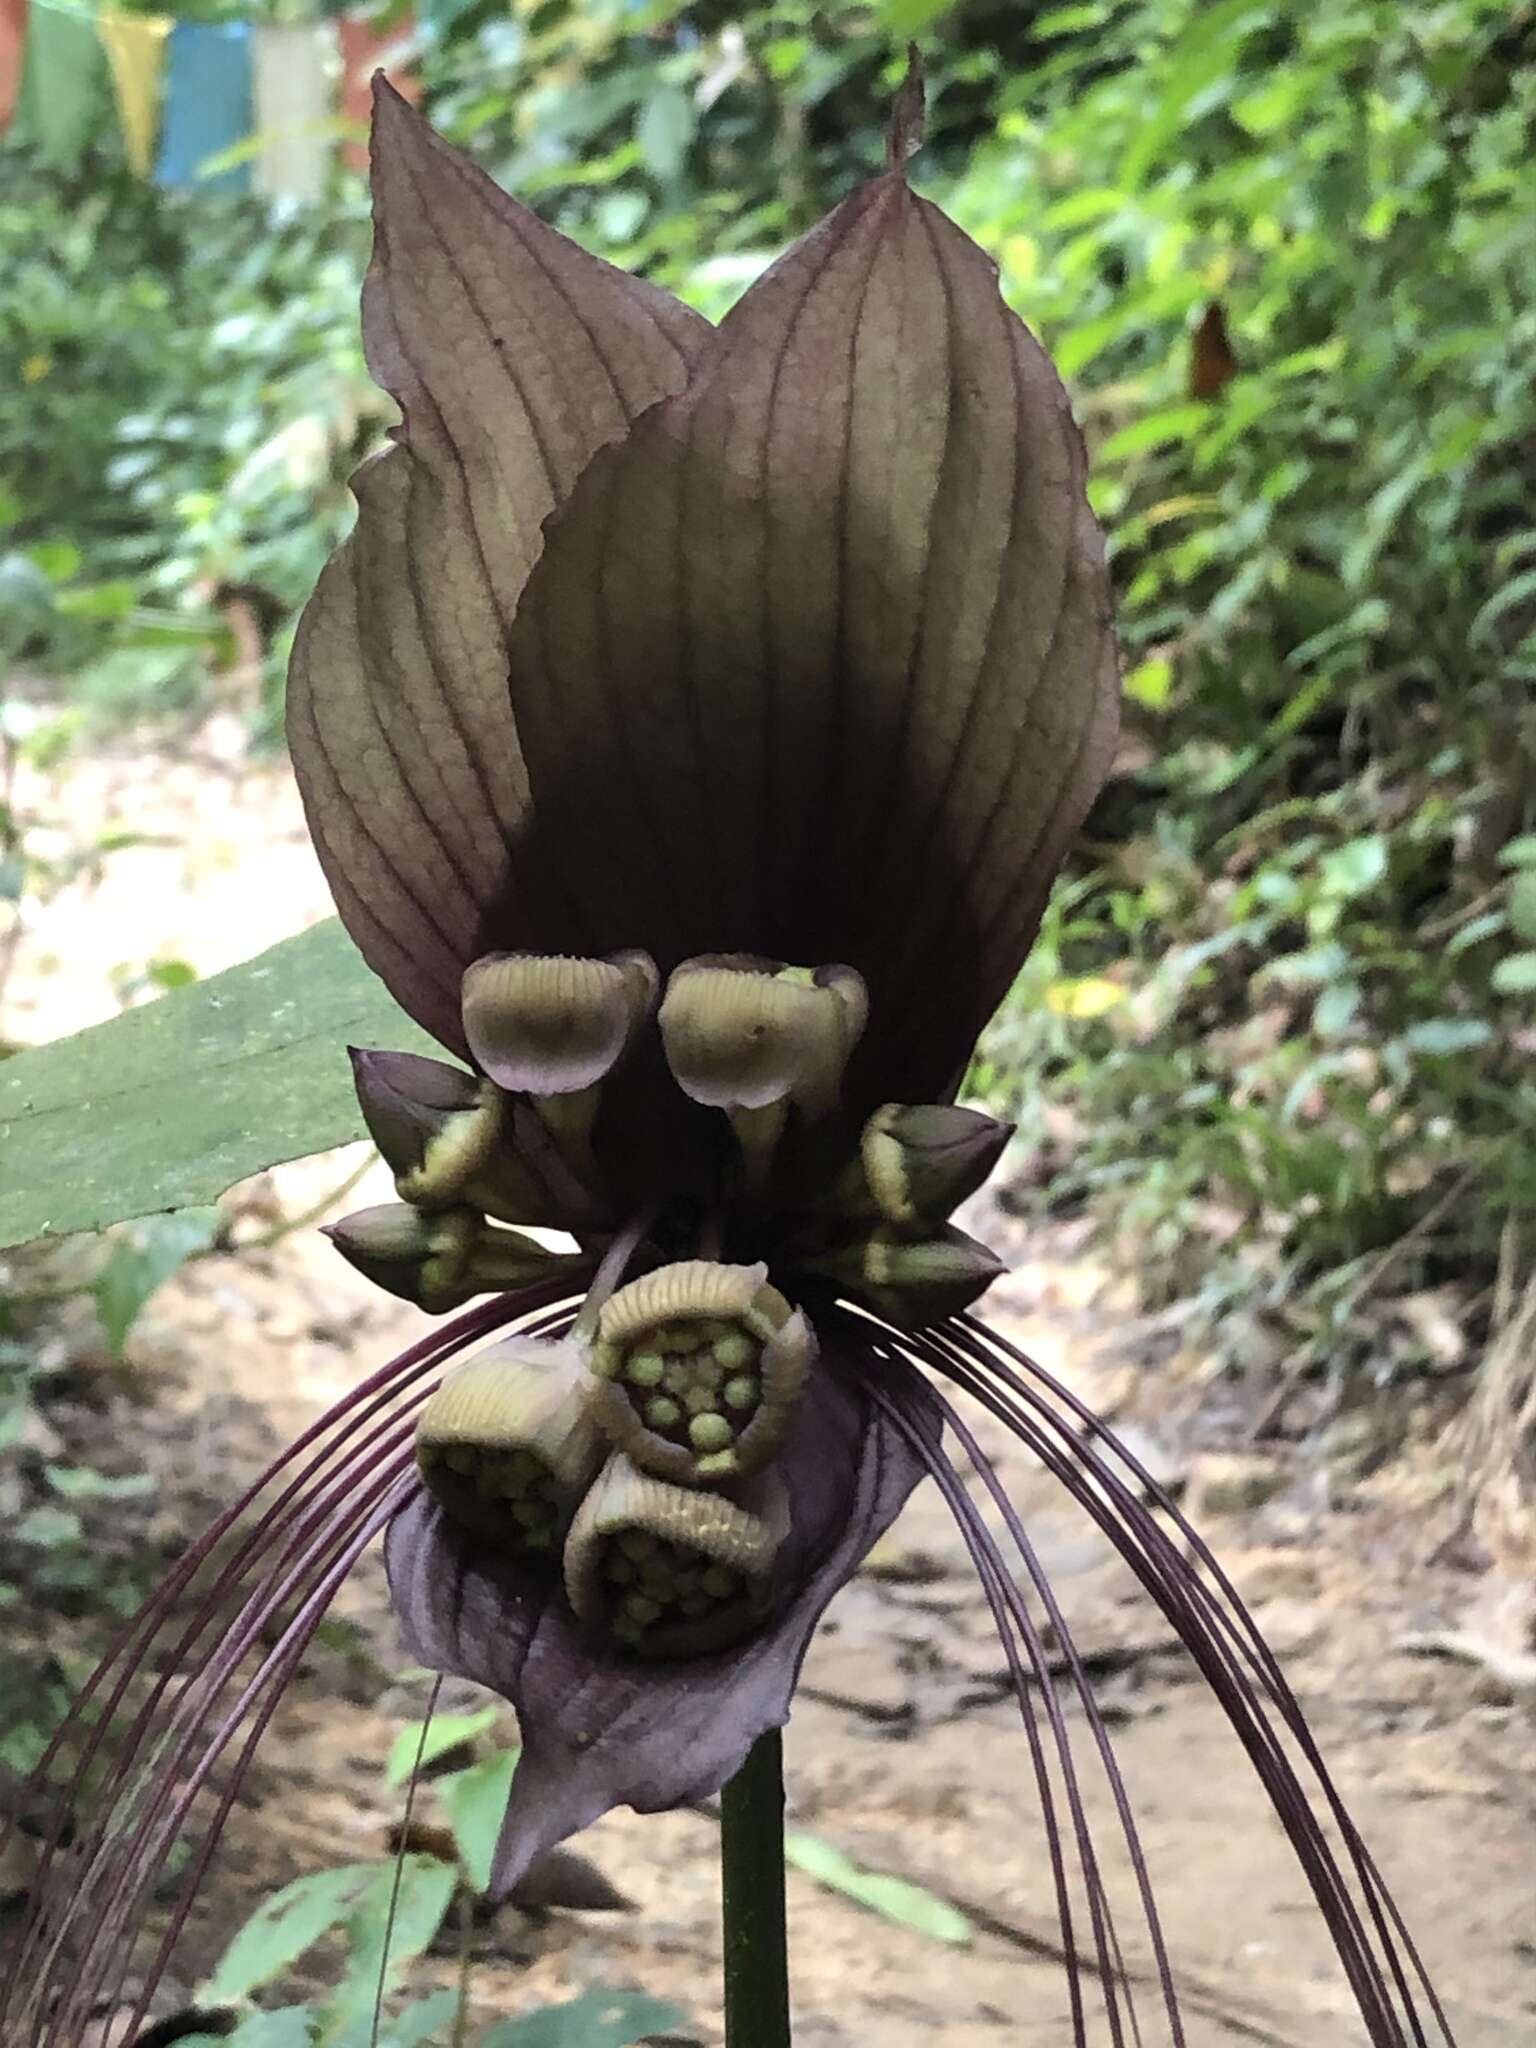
column 168, row 1105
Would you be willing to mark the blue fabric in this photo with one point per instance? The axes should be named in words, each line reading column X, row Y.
column 207, row 104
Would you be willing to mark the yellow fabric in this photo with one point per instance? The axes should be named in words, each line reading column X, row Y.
column 135, row 46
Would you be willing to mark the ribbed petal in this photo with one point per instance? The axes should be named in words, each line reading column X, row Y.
column 834, row 625
column 601, row 1731
column 514, row 355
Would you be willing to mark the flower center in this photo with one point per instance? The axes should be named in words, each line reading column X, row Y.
column 639, row 1449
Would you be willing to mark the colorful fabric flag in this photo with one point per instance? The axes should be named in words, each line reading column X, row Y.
column 135, row 46
column 295, row 128
column 65, row 98
column 13, row 43
column 366, row 48
column 207, row 106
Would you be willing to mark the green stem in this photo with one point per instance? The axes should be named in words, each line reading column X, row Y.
column 752, row 1896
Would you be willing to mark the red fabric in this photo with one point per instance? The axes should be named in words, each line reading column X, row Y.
column 361, row 43
column 13, row 44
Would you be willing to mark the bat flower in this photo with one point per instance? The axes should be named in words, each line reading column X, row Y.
column 690, row 730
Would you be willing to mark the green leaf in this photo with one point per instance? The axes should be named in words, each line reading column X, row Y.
column 48, row 1528
column 1519, row 852
column 79, row 1482
column 423, row 2024
column 1522, row 903
column 1439, row 1035
column 290, row 2026
column 283, row 1927
column 1357, row 866
column 891, row 1897
column 141, row 1261
column 476, row 1802
column 1176, row 423
column 426, row 1888
column 906, row 18
column 165, row 1106
column 598, row 2019
column 1336, row 1008
column 1516, row 975
column 446, row 1732
column 1150, row 682
column 665, row 132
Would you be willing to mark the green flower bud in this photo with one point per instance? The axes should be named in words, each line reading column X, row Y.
column 441, row 1259
column 434, row 1125
column 453, row 1141
column 507, row 1445
column 921, row 1160
column 669, row 1571
column 724, row 1352
column 912, row 1282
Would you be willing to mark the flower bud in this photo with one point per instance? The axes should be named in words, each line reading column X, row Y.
column 697, row 1369
column 669, row 1571
column 542, row 1024
column 436, row 1126
column 912, row 1282
column 922, row 1159
column 507, row 1446
column 441, row 1259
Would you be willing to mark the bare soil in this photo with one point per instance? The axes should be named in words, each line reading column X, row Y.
column 905, row 1749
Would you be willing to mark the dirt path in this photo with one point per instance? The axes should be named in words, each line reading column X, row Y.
column 904, row 1750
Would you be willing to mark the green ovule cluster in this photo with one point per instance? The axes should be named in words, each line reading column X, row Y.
column 639, row 1449
column 699, row 1368
column 668, row 1572
column 507, row 1443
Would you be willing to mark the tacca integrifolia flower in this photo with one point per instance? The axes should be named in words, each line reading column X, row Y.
column 690, row 730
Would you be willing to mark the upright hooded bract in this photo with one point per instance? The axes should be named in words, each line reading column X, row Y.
column 691, row 730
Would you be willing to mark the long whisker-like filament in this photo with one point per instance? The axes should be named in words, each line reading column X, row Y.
column 122, row 1868
column 985, row 1554
column 1224, row 1643
column 357, row 1453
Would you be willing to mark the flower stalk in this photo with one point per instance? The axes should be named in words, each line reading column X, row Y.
column 752, row 1900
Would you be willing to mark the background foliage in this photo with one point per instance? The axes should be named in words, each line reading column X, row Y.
column 1278, row 1030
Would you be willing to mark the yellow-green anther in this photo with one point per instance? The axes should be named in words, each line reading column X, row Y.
column 543, row 1025
column 922, row 1160
column 739, row 1393
column 733, row 1326
column 742, row 1035
column 667, row 1570
column 913, row 1282
column 507, row 1444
